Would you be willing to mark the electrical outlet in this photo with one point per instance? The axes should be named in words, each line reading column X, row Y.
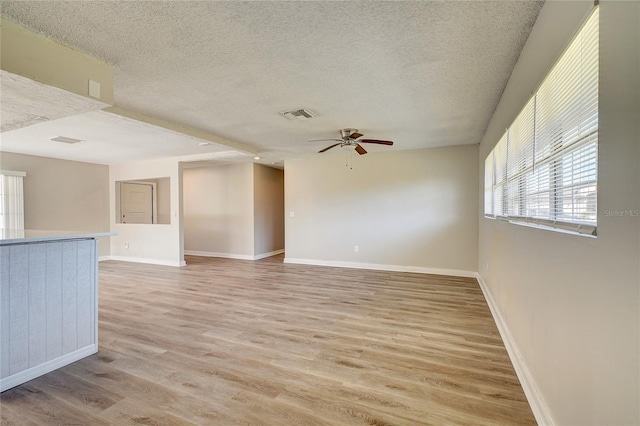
column 292, row 214
column 126, row 246
column 356, row 249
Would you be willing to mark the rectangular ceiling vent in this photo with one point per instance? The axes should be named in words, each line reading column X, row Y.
column 298, row 114
column 65, row 139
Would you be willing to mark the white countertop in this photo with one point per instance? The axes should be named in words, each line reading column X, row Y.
column 16, row 236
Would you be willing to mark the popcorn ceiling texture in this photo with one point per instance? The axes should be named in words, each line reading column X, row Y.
column 420, row 73
column 26, row 102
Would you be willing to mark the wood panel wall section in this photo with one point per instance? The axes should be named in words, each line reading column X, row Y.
column 48, row 307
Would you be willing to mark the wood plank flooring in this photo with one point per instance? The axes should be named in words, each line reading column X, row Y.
column 230, row 342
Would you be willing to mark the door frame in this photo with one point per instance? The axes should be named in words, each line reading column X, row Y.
column 154, row 198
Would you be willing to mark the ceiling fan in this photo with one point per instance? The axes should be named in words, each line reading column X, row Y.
column 349, row 138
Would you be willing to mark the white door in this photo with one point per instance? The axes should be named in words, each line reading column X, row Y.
column 136, row 202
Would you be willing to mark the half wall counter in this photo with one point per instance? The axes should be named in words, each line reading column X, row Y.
column 48, row 301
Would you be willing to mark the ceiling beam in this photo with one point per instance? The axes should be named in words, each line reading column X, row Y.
column 196, row 133
column 34, row 56
column 38, row 58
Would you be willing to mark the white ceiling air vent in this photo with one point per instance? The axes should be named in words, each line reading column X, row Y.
column 65, row 139
column 298, row 114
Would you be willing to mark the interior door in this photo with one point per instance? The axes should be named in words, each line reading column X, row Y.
column 136, row 202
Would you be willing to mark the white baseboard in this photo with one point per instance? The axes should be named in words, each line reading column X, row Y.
column 265, row 255
column 192, row 253
column 231, row 255
column 381, row 267
column 538, row 406
column 37, row 371
column 143, row 260
column 216, row 254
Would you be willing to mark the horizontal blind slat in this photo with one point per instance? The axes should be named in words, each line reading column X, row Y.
column 544, row 168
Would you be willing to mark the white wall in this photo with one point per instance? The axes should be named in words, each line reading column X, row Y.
column 156, row 243
column 406, row 210
column 570, row 304
column 218, row 210
column 268, row 207
column 62, row 195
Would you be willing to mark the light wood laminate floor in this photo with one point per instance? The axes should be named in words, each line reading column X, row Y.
column 228, row 342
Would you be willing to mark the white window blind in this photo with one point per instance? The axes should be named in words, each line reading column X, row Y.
column 500, row 176
column 488, row 184
column 545, row 166
column 520, row 158
column 11, row 200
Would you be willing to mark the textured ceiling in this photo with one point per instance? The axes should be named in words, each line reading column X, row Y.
column 25, row 102
column 419, row 73
column 108, row 139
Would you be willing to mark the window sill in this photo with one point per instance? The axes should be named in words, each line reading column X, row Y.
column 589, row 231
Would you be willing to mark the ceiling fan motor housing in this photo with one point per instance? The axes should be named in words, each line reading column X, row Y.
column 345, row 133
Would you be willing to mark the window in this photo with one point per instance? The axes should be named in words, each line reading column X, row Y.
column 544, row 168
column 11, row 200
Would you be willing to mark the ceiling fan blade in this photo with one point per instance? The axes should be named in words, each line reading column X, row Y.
column 329, row 147
column 379, row 142
column 356, row 135
column 360, row 150
column 325, row 140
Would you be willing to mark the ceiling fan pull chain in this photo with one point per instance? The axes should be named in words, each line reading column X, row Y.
column 347, row 155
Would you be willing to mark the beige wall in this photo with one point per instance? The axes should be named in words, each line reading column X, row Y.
column 63, row 195
column 218, row 210
column 404, row 209
column 234, row 210
column 149, row 243
column 268, row 204
column 163, row 192
column 571, row 303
